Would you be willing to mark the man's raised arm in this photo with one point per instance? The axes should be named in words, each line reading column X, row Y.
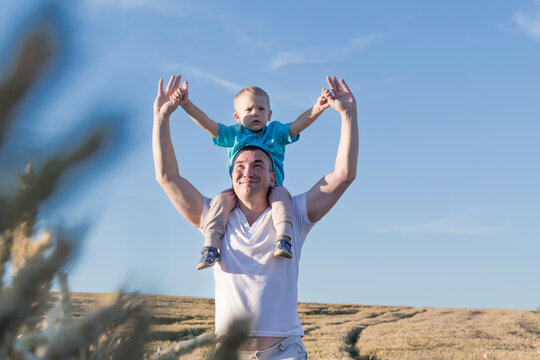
column 184, row 196
column 322, row 197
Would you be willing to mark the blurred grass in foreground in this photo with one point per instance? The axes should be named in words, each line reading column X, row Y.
column 31, row 258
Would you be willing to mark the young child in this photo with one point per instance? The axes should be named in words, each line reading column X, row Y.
column 253, row 114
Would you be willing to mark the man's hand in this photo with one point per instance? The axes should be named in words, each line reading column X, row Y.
column 339, row 98
column 181, row 95
column 163, row 105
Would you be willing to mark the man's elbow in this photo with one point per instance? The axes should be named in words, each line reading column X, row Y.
column 163, row 178
column 347, row 177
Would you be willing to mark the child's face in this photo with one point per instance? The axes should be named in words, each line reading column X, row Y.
column 252, row 111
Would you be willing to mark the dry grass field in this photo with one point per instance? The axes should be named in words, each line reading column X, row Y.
column 361, row 332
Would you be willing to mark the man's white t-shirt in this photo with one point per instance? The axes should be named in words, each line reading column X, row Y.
column 251, row 281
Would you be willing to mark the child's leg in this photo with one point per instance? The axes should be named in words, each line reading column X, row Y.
column 218, row 217
column 282, row 210
column 282, row 216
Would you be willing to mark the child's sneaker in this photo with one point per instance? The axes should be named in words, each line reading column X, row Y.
column 209, row 257
column 283, row 248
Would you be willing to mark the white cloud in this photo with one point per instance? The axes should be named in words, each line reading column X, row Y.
column 446, row 226
column 225, row 83
column 323, row 53
column 170, row 8
column 187, row 71
column 529, row 23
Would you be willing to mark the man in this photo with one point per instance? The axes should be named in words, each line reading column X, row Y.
column 249, row 280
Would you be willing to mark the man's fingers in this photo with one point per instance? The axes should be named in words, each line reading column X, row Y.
column 160, row 87
column 176, row 82
column 330, row 83
column 336, row 82
column 345, row 86
column 185, row 85
column 170, row 84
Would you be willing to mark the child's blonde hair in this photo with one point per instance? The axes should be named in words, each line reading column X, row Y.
column 253, row 90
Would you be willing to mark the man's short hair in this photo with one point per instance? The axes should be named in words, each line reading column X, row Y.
column 252, row 148
column 254, row 90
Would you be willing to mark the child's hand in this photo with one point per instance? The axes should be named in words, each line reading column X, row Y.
column 180, row 96
column 322, row 102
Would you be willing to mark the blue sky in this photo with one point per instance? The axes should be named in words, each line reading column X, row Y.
column 446, row 205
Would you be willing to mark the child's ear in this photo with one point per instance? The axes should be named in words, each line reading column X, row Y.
column 269, row 115
column 237, row 117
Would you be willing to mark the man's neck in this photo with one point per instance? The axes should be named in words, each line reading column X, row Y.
column 252, row 209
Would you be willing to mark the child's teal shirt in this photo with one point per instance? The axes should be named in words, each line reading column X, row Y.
column 272, row 138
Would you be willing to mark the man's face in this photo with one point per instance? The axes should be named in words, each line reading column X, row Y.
column 252, row 111
column 252, row 174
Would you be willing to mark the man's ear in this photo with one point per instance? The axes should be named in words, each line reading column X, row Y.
column 237, row 117
column 269, row 115
column 272, row 179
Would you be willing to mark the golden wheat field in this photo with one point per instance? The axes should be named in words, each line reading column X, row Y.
column 338, row 331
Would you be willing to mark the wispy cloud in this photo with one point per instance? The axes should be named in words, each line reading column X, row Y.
column 170, row 8
column 225, row 83
column 244, row 35
column 446, row 226
column 529, row 23
column 323, row 53
column 188, row 71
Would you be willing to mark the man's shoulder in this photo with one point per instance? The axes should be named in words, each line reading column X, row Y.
column 299, row 196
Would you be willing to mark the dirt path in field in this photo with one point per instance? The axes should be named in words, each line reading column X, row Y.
column 376, row 332
column 363, row 332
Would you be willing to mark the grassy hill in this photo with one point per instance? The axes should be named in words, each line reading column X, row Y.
column 335, row 331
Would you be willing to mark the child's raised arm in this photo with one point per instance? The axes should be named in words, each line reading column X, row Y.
column 181, row 97
column 310, row 115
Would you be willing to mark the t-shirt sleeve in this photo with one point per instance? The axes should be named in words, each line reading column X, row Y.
column 282, row 133
column 226, row 136
column 300, row 214
column 206, row 207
